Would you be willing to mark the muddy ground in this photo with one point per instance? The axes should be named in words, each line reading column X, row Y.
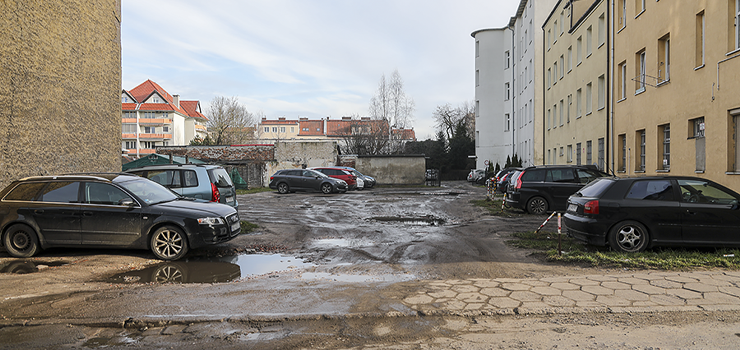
column 344, row 262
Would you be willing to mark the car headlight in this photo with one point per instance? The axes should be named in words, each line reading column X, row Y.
column 342, row 182
column 210, row 221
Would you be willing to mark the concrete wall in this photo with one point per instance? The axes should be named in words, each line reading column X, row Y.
column 300, row 154
column 60, row 85
column 393, row 170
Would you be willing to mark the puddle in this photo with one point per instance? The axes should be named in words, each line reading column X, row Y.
column 427, row 193
column 356, row 278
column 421, row 221
column 341, row 242
column 213, row 270
column 28, row 266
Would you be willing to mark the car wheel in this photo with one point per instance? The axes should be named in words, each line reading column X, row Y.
column 169, row 243
column 326, row 188
column 283, row 188
column 21, row 241
column 168, row 273
column 629, row 237
column 537, row 205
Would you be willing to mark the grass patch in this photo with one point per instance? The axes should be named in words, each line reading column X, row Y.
column 575, row 252
column 254, row 190
column 247, row 226
column 494, row 207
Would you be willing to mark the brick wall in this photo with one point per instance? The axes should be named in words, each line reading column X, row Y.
column 60, row 86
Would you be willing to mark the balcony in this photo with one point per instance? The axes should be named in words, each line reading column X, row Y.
column 128, row 136
column 200, row 127
column 157, row 121
column 129, row 120
column 155, row 136
column 141, row 151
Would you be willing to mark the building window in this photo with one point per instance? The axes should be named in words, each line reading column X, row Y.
column 477, row 48
column 601, row 154
column 507, row 122
column 579, row 103
column 622, row 81
column 555, row 70
column 549, row 157
column 602, row 92
column 166, row 129
column 736, row 23
column 148, row 144
column 562, row 22
column 562, row 66
column 570, row 154
column 507, row 59
column 477, row 77
column 128, row 128
column 267, row 129
column 579, row 50
column 641, row 146
column 561, row 151
column 664, row 58
column 561, row 112
column 292, row 129
column 549, row 38
column 549, row 78
column 548, row 119
column 555, row 116
column 641, row 71
column 623, row 152
column 570, row 103
column 622, row 13
column 130, row 145
column 640, row 6
column 507, row 91
column 697, row 126
column 588, row 153
column 304, row 129
column 735, row 135
column 150, row 130
column 578, row 153
column 700, row 25
column 570, row 58
column 282, row 129
column 589, row 39
column 665, row 136
column 602, row 30
column 555, row 32
column 274, row 129
column 589, row 101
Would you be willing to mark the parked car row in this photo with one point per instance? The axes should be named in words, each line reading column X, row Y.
column 324, row 179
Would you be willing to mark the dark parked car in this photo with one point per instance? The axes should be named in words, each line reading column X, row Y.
column 632, row 214
column 200, row 181
column 539, row 189
column 285, row 181
column 503, row 177
column 108, row 210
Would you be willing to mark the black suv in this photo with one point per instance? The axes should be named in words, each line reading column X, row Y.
column 539, row 189
column 108, row 210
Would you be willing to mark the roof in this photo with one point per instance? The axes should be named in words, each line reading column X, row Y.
column 192, row 108
column 315, row 128
column 143, row 91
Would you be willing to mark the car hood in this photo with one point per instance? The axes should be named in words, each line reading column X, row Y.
column 211, row 208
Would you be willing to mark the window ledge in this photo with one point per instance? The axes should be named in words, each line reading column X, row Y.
column 600, row 108
column 664, row 82
column 589, row 113
column 699, row 172
column 600, row 45
column 639, row 171
column 621, row 29
column 622, row 99
column 663, row 171
column 700, row 67
column 733, row 52
column 732, row 173
column 639, row 91
column 641, row 12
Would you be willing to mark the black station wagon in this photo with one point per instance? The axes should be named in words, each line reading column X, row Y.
column 108, row 210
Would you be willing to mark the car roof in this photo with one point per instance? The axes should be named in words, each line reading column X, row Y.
column 170, row 166
column 549, row 166
column 107, row 177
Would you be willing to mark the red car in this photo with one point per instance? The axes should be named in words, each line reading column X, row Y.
column 339, row 173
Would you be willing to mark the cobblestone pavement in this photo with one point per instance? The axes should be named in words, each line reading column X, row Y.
column 629, row 292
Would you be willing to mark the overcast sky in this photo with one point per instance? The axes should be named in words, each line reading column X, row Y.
column 308, row 58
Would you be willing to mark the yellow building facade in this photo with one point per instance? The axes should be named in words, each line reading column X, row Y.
column 575, row 76
column 675, row 90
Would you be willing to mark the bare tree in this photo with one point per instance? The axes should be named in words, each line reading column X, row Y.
column 229, row 122
column 364, row 136
column 391, row 105
column 447, row 119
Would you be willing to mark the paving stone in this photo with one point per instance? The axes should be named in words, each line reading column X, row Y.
column 565, row 286
column 546, row 291
column 495, row 292
column 631, row 295
column 455, row 305
column 474, row 306
column 443, row 294
column 515, row 286
column 700, row 287
column 648, row 289
column 668, row 300
column 584, row 282
column 465, row 289
column 602, row 278
column 682, row 279
column 611, row 300
column 508, row 280
column 456, row 282
column 721, row 298
column 441, row 285
column 472, row 297
column 735, row 274
column 578, row 295
column 534, row 305
column 644, row 303
column 525, row 296
column 535, row 283
column 504, row 302
column 684, row 293
column 727, row 277
column 588, row 303
column 487, row 284
column 632, row 280
column 734, row 291
column 557, row 300
column 616, row 285
column 597, row 290
column 418, row 299
column 648, row 276
column 715, row 282
column 556, row 279
column 662, row 283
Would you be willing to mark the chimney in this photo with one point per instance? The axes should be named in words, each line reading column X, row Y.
column 176, row 100
column 365, row 118
column 264, row 118
column 281, row 118
column 346, row 118
column 303, row 119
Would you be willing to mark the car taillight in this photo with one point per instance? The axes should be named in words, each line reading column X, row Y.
column 272, row 178
column 519, row 181
column 591, row 207
column 215, row 195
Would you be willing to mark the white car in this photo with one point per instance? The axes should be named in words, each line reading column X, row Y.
column 360, row 183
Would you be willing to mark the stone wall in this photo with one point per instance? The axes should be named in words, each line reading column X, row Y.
column 60, row 86
column 302, row 154
column 393, row 170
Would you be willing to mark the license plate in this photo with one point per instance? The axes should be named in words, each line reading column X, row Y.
column 229, row 199
column 573, row 207
column 235, row 226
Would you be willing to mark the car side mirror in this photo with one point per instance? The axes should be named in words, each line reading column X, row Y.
column 128, row 202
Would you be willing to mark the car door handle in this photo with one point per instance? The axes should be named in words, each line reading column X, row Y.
column 38, row 211
column 691, row 212
column 87, row 213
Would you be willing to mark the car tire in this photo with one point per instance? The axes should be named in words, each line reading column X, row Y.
column 283, row 188
column 537, row 205
column 21, row 241
column 168, row 243
column 629, row 237
column 169, row 273
column 326, row 188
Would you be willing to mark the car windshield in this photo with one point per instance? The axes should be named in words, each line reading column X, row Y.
column 149, row 191
column 309, row 173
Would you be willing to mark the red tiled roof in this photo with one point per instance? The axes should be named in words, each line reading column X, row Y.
column 315, row 128
column 192, row 108
column 339, row 128
column 404, row 134
column 279, row 122
column 145, row 89
column 156, row 107
column 128, row 106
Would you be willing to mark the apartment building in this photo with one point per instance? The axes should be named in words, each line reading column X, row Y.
column 677, row 69
column 508, row 87
column 152, row 117
column 576, row 75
